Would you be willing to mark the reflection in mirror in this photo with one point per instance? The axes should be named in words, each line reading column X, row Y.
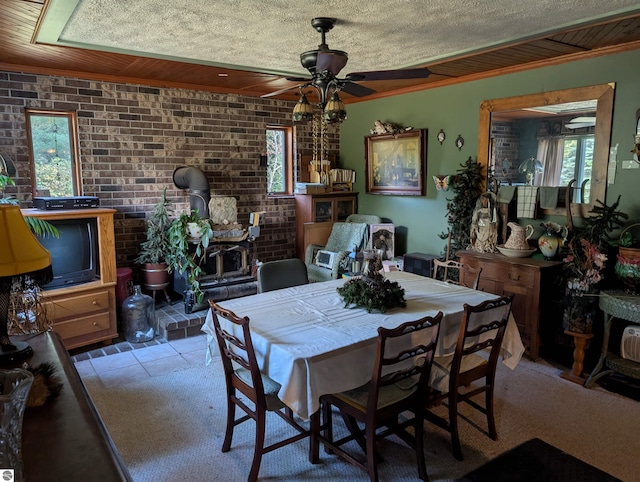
column 548, row 140
column 53, row 148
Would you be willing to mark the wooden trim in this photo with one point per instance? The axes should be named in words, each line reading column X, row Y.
column 603, row 93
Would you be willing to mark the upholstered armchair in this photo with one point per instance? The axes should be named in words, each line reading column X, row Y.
column 364, row 218
column 334, row 256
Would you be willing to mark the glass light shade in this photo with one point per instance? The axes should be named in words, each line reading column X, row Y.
column 20, row 251
column 334, row 111
column 303, row 111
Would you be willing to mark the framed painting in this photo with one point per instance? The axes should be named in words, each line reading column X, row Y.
column 396, row 164
column 382, row 236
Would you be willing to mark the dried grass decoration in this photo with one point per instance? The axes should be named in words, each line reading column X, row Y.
column 372, row 293
column 46, row 384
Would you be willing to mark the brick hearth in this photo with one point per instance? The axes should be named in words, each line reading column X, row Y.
column 175, row 324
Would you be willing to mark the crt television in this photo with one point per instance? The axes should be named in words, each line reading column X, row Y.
column 74, row 253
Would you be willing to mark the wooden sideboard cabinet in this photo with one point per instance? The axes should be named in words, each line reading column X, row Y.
column 532, row 281
column 65, row 439
column 85, row 313
column 321, row 208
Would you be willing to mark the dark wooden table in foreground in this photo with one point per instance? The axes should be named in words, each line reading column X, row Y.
column 65, row 439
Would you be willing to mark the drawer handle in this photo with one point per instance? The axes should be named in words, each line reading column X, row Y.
column 514, row 278
column 94, row 303
column 95, row 323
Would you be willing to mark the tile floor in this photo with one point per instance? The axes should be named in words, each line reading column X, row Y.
column 124, row 362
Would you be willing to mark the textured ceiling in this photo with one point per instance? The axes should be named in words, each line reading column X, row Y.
column 269, row 35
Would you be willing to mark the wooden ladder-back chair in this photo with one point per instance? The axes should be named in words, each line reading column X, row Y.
column 405, row 354
column 482, row 327
column 283, row 273
column 243, row 375
column 445, row 266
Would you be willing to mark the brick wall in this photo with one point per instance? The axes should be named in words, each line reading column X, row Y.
column 505, row 151
column 132, row 137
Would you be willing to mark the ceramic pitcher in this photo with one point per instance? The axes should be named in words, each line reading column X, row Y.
column 518, row 239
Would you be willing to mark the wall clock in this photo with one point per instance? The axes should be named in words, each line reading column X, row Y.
column 459, row 142
column 441, row 136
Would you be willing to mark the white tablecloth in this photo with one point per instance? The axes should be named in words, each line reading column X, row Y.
column 307, row 340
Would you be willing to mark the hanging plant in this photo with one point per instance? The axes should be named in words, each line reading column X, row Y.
column 186, row 251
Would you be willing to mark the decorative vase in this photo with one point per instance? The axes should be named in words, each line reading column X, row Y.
column 372, row 263
column 549, row 243
column 14, row 389
column 580, row 308
column 138, row 312
column 628, row 271
column 628, row 266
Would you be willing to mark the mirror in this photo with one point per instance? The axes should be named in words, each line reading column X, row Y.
column 53, row 153
column 566, row 115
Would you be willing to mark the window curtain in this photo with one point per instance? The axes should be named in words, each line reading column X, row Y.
column 550, row 152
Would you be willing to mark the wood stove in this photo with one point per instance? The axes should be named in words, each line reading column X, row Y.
column 228, row 274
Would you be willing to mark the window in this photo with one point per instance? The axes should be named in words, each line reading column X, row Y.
column 577, row 162
column 279, row 160
column 53, row 150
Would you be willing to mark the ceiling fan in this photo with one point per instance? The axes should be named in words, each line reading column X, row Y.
column 324, row 65
column 580, row 122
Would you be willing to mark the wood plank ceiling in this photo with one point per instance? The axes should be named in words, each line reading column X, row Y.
column 19, row 20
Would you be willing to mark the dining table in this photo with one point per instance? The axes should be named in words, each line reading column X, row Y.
column 308, row 341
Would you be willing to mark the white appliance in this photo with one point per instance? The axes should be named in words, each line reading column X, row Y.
column 325, row 258
column 630, row 344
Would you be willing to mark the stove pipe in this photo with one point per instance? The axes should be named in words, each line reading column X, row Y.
column 195, row 182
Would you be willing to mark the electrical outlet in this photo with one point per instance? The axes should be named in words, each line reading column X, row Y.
column 630, row 165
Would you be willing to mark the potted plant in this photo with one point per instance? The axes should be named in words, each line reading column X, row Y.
column 189, row 237
column 585, row 265
column 628, row 266
column 155, row 250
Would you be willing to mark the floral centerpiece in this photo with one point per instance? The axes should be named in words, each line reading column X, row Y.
column 371, row 291
column 584, row 265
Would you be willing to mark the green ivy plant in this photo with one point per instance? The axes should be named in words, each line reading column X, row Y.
column 186, row 253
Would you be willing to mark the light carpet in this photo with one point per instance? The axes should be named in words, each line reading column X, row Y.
column 171, row 427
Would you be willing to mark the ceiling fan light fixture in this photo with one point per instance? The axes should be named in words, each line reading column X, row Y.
column 303, row 111
column 334, row 111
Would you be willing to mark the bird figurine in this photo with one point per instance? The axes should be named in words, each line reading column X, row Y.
column 380, row 128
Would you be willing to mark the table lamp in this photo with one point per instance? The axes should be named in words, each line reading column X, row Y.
column 21, row 258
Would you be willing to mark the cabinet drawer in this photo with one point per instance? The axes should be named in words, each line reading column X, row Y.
column 78, row 305
column 508, row 274
column 83, row 326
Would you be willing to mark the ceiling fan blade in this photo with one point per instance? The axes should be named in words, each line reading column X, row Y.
column 421, row 73
column 585, row 119
column 281, row 91
column 578, row 125
column 356, row 90
column 333, row 62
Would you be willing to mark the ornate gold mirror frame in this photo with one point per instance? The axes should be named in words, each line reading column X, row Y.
column 604, row 112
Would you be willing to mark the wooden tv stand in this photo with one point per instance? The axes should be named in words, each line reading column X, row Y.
column 85, row 313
